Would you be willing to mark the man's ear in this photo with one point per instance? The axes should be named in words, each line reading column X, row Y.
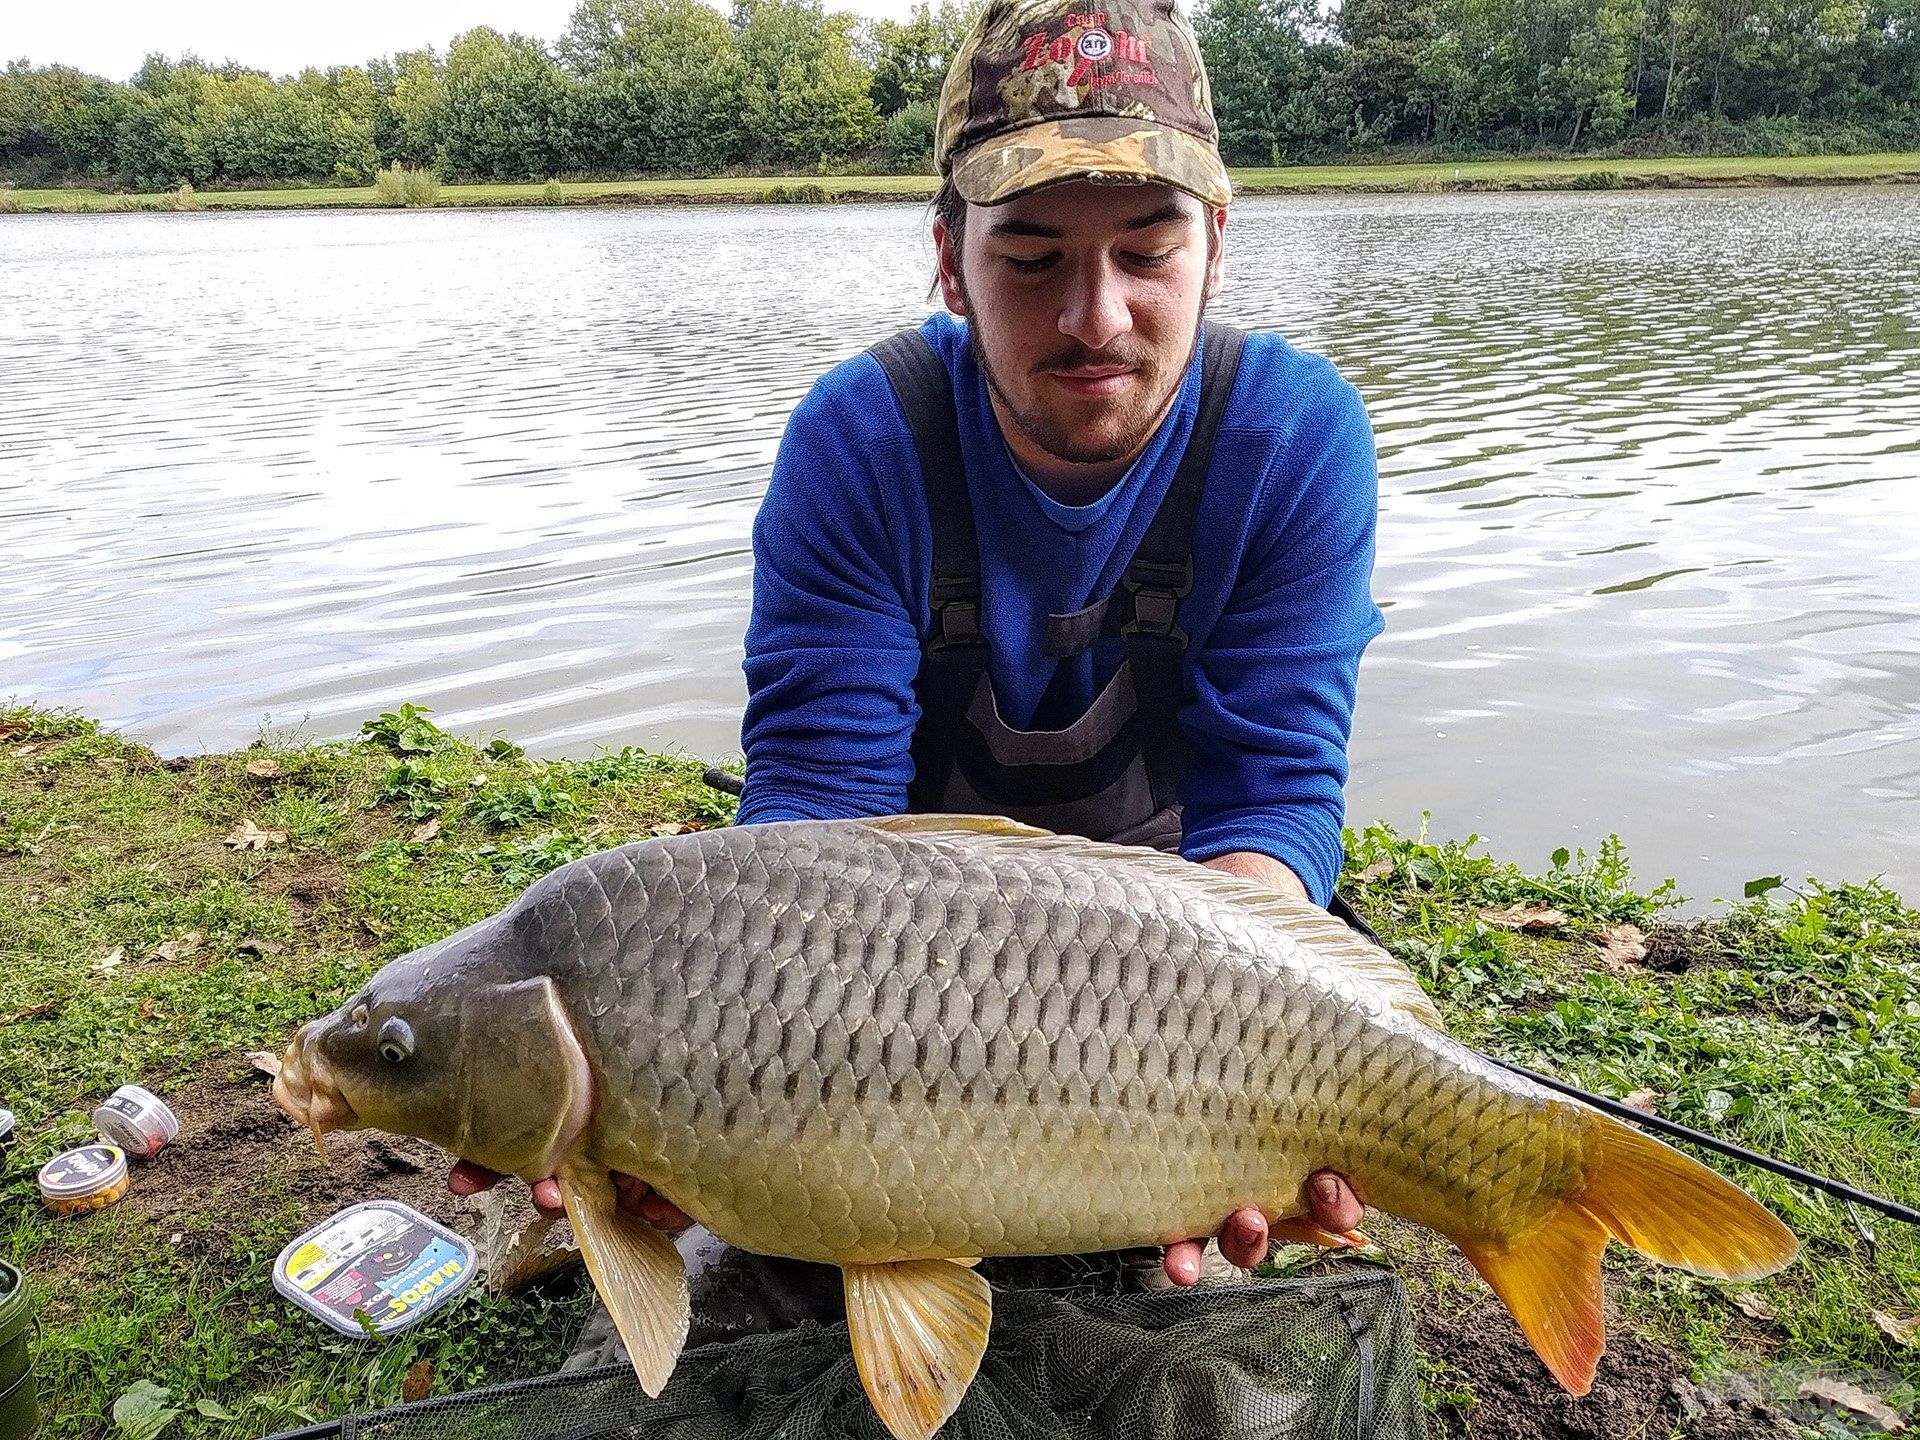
column 1217, row 251
column 952, row 292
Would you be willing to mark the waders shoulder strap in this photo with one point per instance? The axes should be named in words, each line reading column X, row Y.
column 1145, row 610
column 955, row 654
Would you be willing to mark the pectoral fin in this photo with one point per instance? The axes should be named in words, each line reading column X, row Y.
column 1301, row 1230
column 919, row 1328
column 637, row 1272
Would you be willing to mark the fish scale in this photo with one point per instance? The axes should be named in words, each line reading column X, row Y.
column 1035, row 1053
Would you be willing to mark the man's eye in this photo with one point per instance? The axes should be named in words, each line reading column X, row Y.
column 1151, row 262
column 1032, row 266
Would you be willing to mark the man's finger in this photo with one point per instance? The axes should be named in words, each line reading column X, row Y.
column 467, row 1178
column 1182, row 1261
column 546, row 1196
column 1243, row 1239
column 1332, row 1202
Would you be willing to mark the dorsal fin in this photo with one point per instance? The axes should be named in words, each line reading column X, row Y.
column 1304, row 922
column 961, row 824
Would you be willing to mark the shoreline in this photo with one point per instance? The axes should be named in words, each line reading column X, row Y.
column 1394, row 178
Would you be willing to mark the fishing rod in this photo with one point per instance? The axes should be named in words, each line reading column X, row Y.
column 730, row 783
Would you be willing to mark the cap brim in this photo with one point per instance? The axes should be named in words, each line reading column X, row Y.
column 1096, row 147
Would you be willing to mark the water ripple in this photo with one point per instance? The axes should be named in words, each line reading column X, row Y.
column 1650, row 532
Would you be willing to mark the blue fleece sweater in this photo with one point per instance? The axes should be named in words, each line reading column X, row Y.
column 1280, row 610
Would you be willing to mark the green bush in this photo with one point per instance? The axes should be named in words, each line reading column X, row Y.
column 421, row 187
column 397, row 185
column 388, row 187
column 182, row 198
column 806, row 194
column 1595, row 180
column 908, row 139
column 552, row 194
column 9, row 203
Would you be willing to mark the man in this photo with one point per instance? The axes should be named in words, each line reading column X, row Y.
column 1071, row 556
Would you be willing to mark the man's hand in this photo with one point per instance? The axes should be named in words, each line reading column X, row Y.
column 636, row 1197
column 1331, row 1204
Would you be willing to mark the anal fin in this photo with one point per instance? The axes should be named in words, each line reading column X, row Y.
column 1550, row 1282
column 919, row 1328
column 638, row 1273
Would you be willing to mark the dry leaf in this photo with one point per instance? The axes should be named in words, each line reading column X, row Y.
column 1901, row 1332
column 32, row 1012
column 170, row 950
column 1378, row 870
column 251, row 946
column 1856, row 1401
column 265, row 1061
column 1622, row 948
column 11, row 728
column 1524, row 917
column 265, row 769
column 1750, row 1304
column 176, row 762
column 426, row 832
column 1913, row 1098
column 1647, row 1102
column 150, row 1008
column 419, row 1382
column 669, row 828
column 251, row 837
column 111, row 961
column 32, row 747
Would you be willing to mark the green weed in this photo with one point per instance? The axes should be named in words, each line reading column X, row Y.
column 406, row 731
column 507, row 807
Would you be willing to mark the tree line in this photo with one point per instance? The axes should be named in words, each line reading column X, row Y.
column 676, row 86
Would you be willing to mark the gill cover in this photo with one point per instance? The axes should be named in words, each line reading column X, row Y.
column 529, row 1087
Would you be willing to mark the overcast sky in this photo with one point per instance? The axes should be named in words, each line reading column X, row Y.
column 112, row 37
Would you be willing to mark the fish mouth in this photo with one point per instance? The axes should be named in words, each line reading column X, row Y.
column 306, row 1092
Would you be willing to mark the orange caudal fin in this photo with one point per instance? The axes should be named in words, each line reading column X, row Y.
column 1673, row 1209
column 1643, row 1193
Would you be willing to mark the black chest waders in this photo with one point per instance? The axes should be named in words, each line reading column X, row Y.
column 1114, row 773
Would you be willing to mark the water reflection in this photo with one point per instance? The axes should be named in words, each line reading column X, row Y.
column 1650, row 537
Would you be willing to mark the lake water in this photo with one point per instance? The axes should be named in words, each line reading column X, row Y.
column 1650, row 510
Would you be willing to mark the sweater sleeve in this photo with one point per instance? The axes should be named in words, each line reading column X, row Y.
column 1274, row 680
column 831, row 646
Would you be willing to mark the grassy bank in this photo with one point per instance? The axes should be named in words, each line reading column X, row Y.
column 1386, row 178
column 147, row 935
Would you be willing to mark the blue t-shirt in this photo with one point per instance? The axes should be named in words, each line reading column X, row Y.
column 1280, row 610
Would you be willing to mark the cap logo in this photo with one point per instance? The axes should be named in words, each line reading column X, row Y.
column 1094, row 45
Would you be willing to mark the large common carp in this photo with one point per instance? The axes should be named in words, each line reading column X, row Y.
column 899, row 1045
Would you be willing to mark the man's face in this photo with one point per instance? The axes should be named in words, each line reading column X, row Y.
column 1083, row 302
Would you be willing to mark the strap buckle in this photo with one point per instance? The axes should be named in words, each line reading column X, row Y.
column 955, row 601
column 1157, row 589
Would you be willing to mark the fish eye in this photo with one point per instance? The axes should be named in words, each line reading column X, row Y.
column 396, row 1040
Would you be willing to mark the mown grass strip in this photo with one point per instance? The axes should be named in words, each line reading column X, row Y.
column 1594, row 173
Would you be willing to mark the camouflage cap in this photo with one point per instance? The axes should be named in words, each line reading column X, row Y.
column 1041, row 92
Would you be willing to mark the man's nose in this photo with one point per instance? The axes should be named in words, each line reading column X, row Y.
column 1094, row 309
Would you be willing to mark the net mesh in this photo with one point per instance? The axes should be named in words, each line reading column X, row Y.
column 1323, row 1358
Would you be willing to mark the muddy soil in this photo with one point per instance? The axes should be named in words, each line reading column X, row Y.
column 237, row 1154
